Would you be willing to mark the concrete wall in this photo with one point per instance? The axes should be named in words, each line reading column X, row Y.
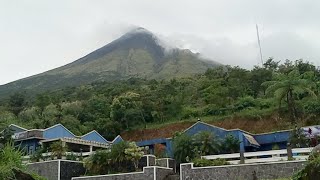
column 147, row 160
column 241, row 172
column 47, row 169
column 167, row 163
column 57, row 169
column 148, row 173
column 69, row 169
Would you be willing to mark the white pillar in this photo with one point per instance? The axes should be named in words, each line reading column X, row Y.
column 91, row 147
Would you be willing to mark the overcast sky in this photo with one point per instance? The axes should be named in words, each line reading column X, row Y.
column 39, row 35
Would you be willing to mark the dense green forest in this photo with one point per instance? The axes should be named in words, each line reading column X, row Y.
column 286, row 89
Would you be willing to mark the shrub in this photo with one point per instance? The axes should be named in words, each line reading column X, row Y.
column 159, row 150
column 312, row 107
column 133, row 154
column 206, row 143
column 58, row 149
column 198, row 162
column 11, row 166
column 230, row 144
column 275, row 147
column 189, row 112
column 122, row 157
column 99, row 162
column 71, row 157
column 213, row 109
column 183, row 148
column 311, row 170
column 37, row 155
column 245, row 102
column 298, row 139
column 10, row 159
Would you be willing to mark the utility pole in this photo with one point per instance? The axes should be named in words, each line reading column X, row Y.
column 259, row 44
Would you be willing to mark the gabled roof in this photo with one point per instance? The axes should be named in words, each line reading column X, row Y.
column 60, row 126
column 95, row 132
column 237, row 129
column 206, row 124
column 16, row 126
column 117, row 138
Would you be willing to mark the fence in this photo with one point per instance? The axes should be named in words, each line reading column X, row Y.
column 48, row 156
column 148, row 173
column 270, row 170
column 264, row 156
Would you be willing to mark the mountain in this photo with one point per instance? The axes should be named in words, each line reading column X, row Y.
column 138, row 53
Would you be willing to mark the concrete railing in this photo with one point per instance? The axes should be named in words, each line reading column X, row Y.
column 148, row 173
column 264, row 156
column 271, row 170
column 48, row 155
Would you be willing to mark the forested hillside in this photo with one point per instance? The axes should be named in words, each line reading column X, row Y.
column 287, row 91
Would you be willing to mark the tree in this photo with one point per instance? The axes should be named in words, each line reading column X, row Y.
column 58, row 149
column 127, row 109
column 183, row 148
column 37, row 155
column 99, row 162
column 257, row 77
column 270, row 64
column 206, row 143
column 17, row 102
column 42, row 101
column 230, row 144
column 119, row 158
column 118, row 152
column 134, row 153
column 286, row 86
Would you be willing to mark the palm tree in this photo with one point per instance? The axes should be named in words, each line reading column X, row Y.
column 206, row 143
column 183, row 149
column 286, row 86
column 58, row 149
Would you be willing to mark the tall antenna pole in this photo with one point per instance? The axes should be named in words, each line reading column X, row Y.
column 259, row 44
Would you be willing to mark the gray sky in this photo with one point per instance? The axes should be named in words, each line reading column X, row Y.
column 39, row 35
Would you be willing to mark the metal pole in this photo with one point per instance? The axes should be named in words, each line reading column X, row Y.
column 259, row 44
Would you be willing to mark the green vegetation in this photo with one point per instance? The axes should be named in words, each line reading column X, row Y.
column 11, row 166
column 286, row 92
column 206, row 162
column 311, row 170
column 58, row 149
column 190, row 148
column 120, row 158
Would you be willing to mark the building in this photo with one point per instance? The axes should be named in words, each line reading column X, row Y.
column 30, row 140
column 248, row 141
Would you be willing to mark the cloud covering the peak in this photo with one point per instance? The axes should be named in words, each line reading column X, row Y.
column 40, row 35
